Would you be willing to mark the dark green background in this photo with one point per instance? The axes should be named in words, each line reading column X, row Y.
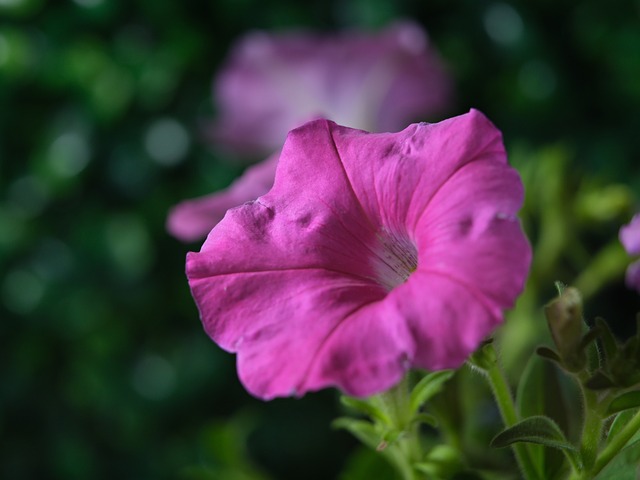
column 105, row 370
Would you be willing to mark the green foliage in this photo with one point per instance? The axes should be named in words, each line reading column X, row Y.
column 625, row 465
column 623, row 402
column 430, row 385
column 536, row 429
column 619, row 422
column 106, row 372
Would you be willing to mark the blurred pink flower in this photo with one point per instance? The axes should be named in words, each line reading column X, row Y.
column 630, row 238
column 372, row 254
column 375, row 82
column 274, row 83
column 193, row 219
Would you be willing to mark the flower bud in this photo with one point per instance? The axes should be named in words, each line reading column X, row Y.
column 564, row 316
column 484, row 358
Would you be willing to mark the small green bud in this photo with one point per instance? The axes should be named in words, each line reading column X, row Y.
column 625, row 368
column 564, row 316
column 484, row 357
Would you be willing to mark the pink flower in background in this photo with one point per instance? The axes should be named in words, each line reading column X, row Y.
column 371, row 254
column 377, row 82
column 274, row 83
column 193, row 219
column 630, row 238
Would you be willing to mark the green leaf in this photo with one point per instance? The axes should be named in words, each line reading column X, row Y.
column 430, row 385
column 530, row 401
column 625, row 401
column 363, row 430
column 442, row 461
column 607, row 340
column 540, row 393
column 426, row 419
column 539, row 430
column 619, row 423
column 625, row 465
column 367, row 408
column 529, row 396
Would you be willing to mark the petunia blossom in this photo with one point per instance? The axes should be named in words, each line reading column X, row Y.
column 378, row 82
column 273, row 83
column 193, row 219
column 371, row 254
column 630, row 238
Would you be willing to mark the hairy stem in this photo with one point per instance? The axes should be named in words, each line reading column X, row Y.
column 406, row 450
column 617, row 443
column 504, row 399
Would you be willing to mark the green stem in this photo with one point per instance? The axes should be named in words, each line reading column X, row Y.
column 406, row 450
column 504, row 399
column 617, row 443
column 591, row 434
column 591, row 430
column 592, row 427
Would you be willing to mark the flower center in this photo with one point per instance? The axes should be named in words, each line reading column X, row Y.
column 397, row 259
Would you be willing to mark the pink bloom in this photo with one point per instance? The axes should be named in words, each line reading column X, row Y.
column 630, row 238
column 273, row 83
column 193, row 219
column 371, row 254
column 376, row 82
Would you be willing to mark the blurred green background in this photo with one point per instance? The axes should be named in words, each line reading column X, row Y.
column 106, row 372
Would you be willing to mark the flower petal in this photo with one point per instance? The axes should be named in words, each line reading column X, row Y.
column 192, row 220
column 297, row 282
column 447, row 318
column 633, row 276
column 273, row 83
column 470, row 231
column 277, row 320
column 416, row 162
column 630, row 236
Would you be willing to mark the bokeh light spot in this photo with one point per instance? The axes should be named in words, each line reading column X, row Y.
column 22, row 291
column 129, row 244
column 28, row 195
column 537, row 80
column 503, row 24
column 167, row 141
column 12, row 227
column 153, row 377
column 88, row 3
column 69, row 154
column 4, row 50
column 53, row 259
column 10, row 3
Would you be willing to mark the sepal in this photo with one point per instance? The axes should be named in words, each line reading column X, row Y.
column 430, row 385
column 484, row 358
column 549, row 354
column 367, row 408
column 363, row 430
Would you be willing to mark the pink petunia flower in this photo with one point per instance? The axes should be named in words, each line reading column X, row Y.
column 376, row 82
column 274, row 83
column 630, row 238
column 371, row 254
column 193, row 219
